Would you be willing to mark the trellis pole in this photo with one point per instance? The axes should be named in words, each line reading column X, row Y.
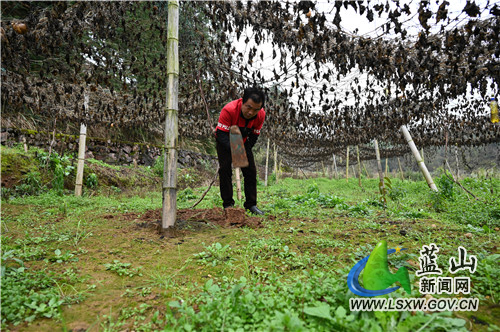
column 335, row 166
column 419, row 159
column 379, row 166
column 359, row 166
column 238, row 183
column 279, row 170
column 267, row 163
column 25, row 145
column 401, row 170
column 81, row 150
column 347, row 165
column 275, row 162
column 169, row 208
column 366, row 172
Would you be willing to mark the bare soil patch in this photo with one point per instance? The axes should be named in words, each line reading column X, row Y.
column 191, row 220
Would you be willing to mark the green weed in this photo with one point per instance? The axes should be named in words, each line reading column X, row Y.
column 123, row 269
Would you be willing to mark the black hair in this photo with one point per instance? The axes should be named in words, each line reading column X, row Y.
column 256, row 94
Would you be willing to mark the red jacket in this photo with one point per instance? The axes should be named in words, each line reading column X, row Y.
column 231, row 115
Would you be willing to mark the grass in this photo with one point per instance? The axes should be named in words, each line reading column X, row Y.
column 84, row 262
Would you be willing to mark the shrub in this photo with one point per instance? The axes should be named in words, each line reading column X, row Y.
column 91, row 181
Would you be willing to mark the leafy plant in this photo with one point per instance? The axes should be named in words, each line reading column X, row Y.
column 486, row 276
column 34, row 181
column 27, row 295
column 215, row 254
column 445, row 184
column 186, row 194
column 123, row 269
column 91, row 181
column 384, row 188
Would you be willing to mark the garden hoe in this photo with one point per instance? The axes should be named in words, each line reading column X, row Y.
column 238, row 153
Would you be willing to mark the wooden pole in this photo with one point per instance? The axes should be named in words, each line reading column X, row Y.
column 386, row 167
column 275, row 163
column 347, row 165
column 323, row 167
column 379, row 166
column 81, row 150
column 169, row 206
column 419, row 159
column 366, row 172
column 335, row 165
column 279, row 171
column 25, row 145
column 81, row 158
column 353, row 171
column 238, row 183
column 401, row 170
column 359, row 166
column 52, row 142
column 267, row 163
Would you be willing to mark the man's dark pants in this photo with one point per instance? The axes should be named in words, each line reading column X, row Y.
column 225, row 178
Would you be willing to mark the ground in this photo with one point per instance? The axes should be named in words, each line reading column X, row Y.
column 102, row 261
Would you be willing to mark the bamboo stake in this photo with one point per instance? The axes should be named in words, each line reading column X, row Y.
column 238, row 183
column 52, row 142
column 347, row 165
column 335, row 165
column 169, row 208
column 323, row 167
column 353, row 170
column 401, row 170
column 379, row 166
column 81, row 157
column 419, row 159
column 386, row 167
column 275, row 163
column 359, row 166
column 267, row 163
column 366, row 172
column 279, row 171
column 81, row 150
column 25, row 145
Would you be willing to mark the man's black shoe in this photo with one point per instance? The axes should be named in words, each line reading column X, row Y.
column 255, row 210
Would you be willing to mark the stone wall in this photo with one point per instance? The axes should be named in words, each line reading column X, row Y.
column 111, row 152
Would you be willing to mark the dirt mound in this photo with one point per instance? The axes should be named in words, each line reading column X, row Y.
column 186, row 218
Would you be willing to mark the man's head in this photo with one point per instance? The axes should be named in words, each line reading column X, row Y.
column 253, row 101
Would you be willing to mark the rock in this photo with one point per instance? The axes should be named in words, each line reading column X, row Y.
column 468, row 235
column 112, row 157
column 147, row 159
column 89, row 155
column 433, row 225
column 127, row 149
column 402, row 232
column 3, row 137
column 497, row 229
